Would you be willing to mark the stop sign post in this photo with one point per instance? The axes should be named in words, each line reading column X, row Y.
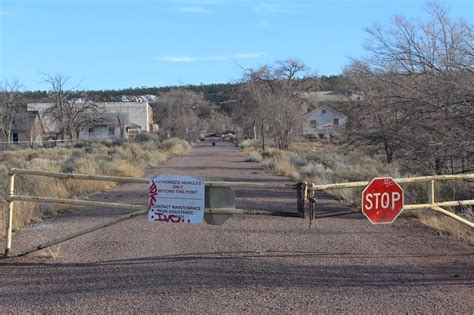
column 382, row 200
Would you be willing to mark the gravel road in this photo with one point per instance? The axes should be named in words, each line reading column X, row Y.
column 251, row 264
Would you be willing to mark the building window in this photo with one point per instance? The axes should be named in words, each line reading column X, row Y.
column 312, row 123
column 15, row 137
column 111, row 131
column 324, row 111
column 336, row 121
column 91, row 130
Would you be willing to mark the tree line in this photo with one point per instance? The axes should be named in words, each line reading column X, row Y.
column 416, row 108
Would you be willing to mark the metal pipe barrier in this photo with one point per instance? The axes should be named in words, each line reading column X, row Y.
column 432, row 205
column 305, row 193
column 140, row 209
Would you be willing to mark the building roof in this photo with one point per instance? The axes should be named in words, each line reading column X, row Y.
column 325, row 96
column 327, row 108
column 111, row 119
column 22, row 122
column 330, row 96
column 138, row 114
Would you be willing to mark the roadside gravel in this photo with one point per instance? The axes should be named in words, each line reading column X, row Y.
column 251, row 264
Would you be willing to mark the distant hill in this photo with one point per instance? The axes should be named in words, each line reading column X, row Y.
column 216, row 93
column 221, row 94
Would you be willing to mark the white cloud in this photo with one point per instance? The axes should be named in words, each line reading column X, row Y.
column 193, row 10
column 210, row 58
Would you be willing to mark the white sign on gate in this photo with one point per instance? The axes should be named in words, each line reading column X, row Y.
column 176, row 199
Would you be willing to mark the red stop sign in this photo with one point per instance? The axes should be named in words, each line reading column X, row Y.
column 382, row 200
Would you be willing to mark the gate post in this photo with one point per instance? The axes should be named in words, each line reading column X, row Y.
column 432, row 192
column 312, row 200
column 301, row 196
column 310, row 203
column 9, row 214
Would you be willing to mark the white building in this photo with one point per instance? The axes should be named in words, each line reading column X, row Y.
column 112, row 119
column 323, row 120
column 139, row 113
column 108, row 126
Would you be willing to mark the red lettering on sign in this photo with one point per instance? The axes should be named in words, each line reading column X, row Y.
column 153, row 192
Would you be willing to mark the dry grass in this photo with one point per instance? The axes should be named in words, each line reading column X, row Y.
column 49, row 253
column 446, row 224
column 247, row 144
column 254, row 156
column 52, row 252
column 324, row 163
column 129, row 159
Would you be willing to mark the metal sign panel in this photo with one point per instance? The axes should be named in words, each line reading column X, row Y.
column 219, row 197
column 382, row 200
column 176, row 199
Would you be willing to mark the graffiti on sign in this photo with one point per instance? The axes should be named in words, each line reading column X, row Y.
column 176, row 199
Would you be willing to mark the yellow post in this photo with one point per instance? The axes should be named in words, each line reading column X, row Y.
column 432, row 192
column 305, row 199
column 9, row 216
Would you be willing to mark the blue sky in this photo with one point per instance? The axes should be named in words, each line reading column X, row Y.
column 107, row 44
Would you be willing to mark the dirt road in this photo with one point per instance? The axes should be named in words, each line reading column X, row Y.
column 250, row 264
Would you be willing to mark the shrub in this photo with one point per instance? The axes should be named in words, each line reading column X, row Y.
column 88, row 149
column 176, row 146
column 294, row 175
column 47, row 210
column 280, row 164
column 117, row 141
column 144, row 137
column 69, row 166
column 246, row 144
column 254, row 156
column 297, row 160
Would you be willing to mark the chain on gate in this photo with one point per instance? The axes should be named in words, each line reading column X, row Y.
column 306, row 198
column 311, row 201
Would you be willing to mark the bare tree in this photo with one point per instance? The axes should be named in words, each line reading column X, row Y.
column 179, row 111
column 257, row 85
column 9, row 97
column 122, row 122
column 418, row 91
column 79, row 113
column 270, row 99
column 286, row 119
column 219, row 121
column 59, row 85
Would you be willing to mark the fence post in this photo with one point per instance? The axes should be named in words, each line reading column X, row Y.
column 311, row 206
column 312, row 199
column 9, row 214
column 432, row 192
column 301, row 198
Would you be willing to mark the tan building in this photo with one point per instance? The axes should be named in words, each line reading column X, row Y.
column 139, row 118
column 27, row 128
